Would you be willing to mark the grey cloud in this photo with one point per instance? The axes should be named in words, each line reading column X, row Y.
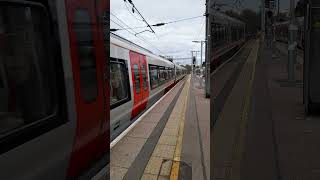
column 172, row 39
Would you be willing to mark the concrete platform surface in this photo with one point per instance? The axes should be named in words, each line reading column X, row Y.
column 227, row 134
column 263, row 132
column 126, row 154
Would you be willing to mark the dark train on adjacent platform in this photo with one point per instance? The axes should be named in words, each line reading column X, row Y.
column 138, row 78
column 228, row 36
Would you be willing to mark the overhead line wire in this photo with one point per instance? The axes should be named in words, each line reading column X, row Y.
column 131, row 12
column 130, row 1
column 143, row 39
column 161, row 24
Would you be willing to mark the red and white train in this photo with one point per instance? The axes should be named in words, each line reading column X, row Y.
column 138, row 78
column 54, row 103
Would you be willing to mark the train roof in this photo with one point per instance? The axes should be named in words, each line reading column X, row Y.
column 112, row 35
column 179, row 66
column 225, row 19
column 122, row 42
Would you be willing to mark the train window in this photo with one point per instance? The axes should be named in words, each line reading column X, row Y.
column 154, row 78
column 162, row 74
column 136, row 77
column 29, row 97
column 82, row 26
column 214, row 31
column 119, row 83
column 172, row 72
column 165, row 74
column 144, row 77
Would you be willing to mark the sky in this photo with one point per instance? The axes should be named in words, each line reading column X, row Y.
column 171, row 40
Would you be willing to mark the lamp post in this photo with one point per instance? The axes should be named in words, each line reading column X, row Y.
column 209, row 20
column 263, row 16
column 192, row 61
column 292, row 53
column 201, row 42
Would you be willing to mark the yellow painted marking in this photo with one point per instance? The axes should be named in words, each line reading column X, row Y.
column 177, row 154
column 238, row 147
column 175, row 170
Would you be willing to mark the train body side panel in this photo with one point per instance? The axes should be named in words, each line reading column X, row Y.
column 87, row 57
column 125, row 114
column 120, row 116
column 47, row 156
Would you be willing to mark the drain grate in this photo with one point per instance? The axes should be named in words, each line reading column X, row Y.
column 185, row 170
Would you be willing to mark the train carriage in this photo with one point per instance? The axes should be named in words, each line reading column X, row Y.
column 228, row 36
column 54, row 118
column 138, row 78
column 54, row 78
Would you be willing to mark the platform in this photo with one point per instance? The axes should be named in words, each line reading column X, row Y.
column 261, row 131
column 158, row 146
column 224, row 77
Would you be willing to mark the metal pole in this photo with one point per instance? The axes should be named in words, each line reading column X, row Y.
column 207, row 58
column 201, row 65
column 263, row 16
column 191, row 63
column 195, row 58
column 201, row 54
column 292, row 54
column 278, row 8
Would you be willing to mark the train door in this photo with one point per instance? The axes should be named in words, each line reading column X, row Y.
column 140, row 82
column 145, row 82
column 88, row 62
column 136, row 83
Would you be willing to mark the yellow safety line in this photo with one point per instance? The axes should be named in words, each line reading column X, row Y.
column 174, row 175
column 239, row 146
